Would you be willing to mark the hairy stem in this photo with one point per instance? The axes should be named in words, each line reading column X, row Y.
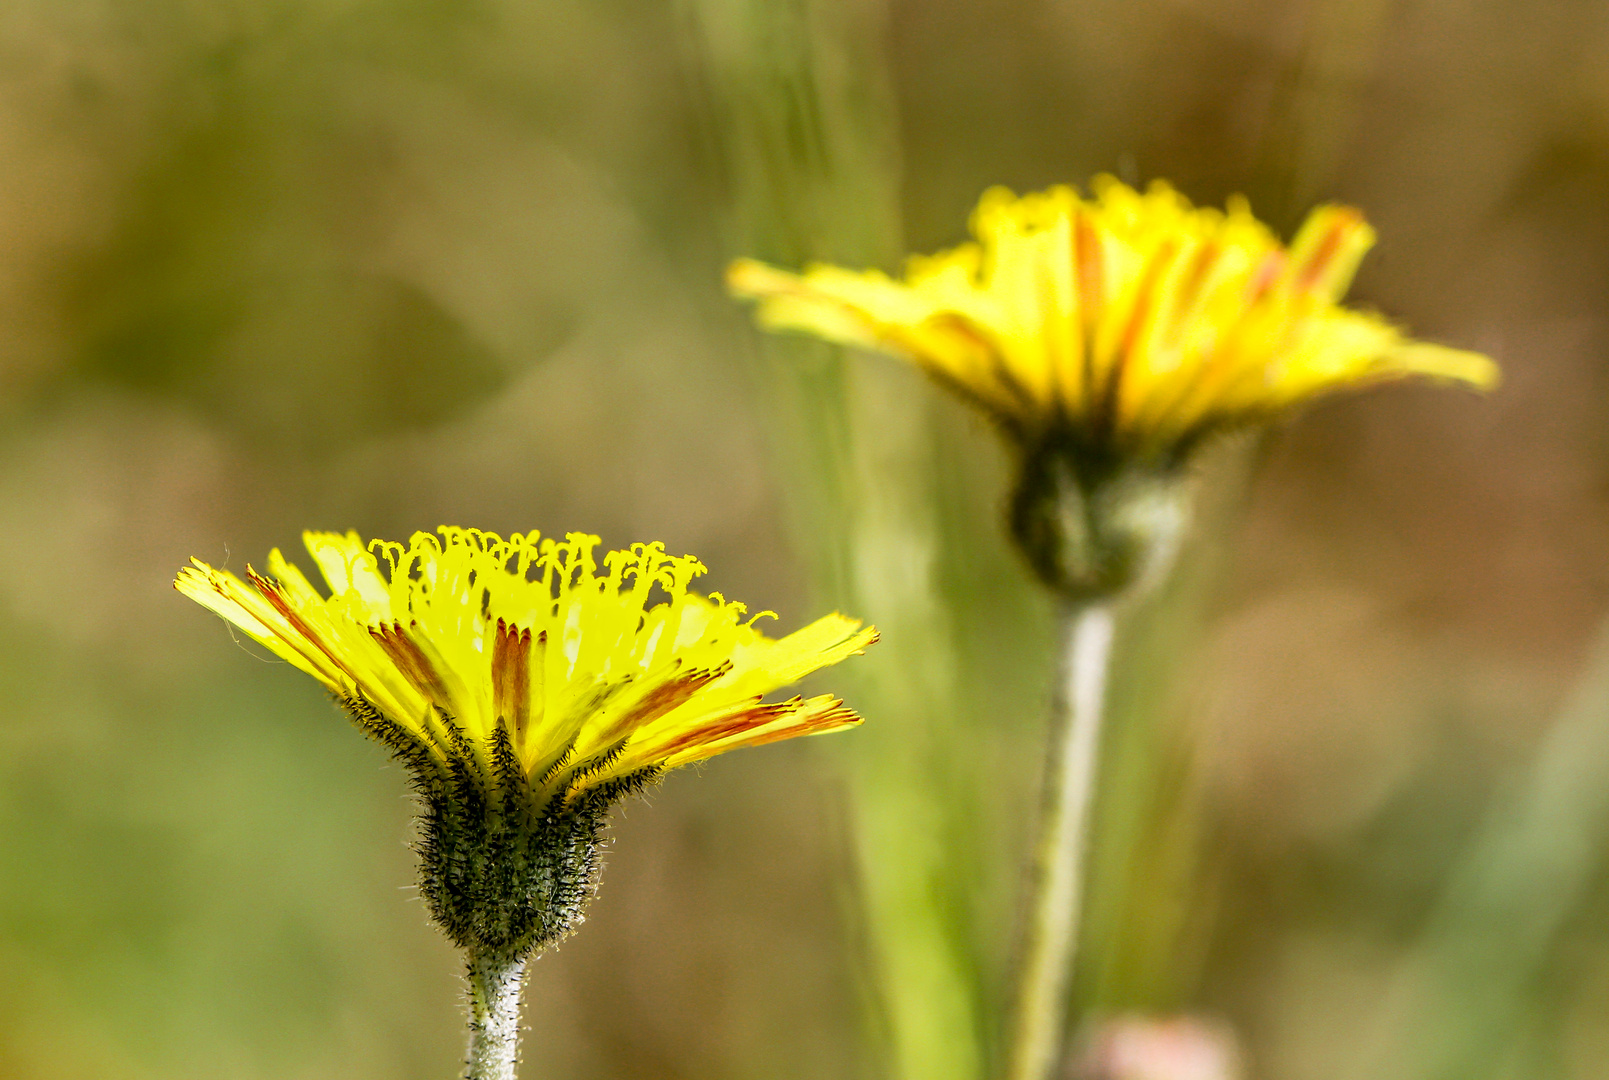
column 495, row 985
column 1056, row 886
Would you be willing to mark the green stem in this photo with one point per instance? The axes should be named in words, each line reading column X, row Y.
column 1056, row 887
column 494, row 1017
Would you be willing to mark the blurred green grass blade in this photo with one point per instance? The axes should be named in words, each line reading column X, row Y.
column 803, row 127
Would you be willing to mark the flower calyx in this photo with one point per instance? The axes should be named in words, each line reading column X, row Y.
column 1093, row 527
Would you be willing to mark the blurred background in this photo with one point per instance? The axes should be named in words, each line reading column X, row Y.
column 388, row 264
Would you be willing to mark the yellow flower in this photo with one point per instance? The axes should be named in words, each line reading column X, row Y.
column 1126, row 325
column 527, row 689
column 1106, row 337
column 472, row 645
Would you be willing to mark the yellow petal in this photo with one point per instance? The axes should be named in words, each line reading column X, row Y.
column 1125, row 322
column 581, row 669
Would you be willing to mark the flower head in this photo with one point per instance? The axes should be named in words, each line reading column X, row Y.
column 1107, row 336
column 1129, row 323
column 527, row 688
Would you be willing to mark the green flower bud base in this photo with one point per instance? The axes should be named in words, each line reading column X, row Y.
column 1092, row 526
column 502, row 878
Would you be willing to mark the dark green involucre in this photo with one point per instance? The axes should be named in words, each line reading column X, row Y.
column 503, row 871
column 1093, row 525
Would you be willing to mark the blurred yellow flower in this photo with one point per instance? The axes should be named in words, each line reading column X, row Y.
column 518, row 662
column 1122, row 326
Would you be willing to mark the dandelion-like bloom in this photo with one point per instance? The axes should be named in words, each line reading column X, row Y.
column 1107, row 336
column 527, row 688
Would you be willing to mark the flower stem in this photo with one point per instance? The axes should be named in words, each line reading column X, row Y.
column 495, row 985
column 1056, row 886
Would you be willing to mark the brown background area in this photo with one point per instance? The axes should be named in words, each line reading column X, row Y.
column 384, row 265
